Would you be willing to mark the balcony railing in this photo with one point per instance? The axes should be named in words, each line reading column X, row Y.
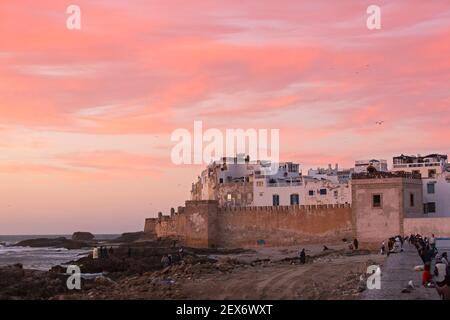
column 284, row 184
column 417, row 165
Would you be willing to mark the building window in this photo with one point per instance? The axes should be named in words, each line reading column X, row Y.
column 261, row 194
column 311, row 192
column 336, row 193
column 430, row 187
column 431, row 173
column 376, row 200
column 276, row 200
column 411, row 199
column 260, row 183
column 416, row 172
column 431, row 206
column 229, row 197
column 295, row 199
column 323, row 192
column 221, row 180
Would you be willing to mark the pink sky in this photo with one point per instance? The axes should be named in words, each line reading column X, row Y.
column 86, row 116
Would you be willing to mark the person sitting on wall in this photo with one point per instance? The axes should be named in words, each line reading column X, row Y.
column 444, row 291
column 440, row 272
column 390, row 244
column 444, row 259
column 432, row 242
column 397, row 245
column 302, row 256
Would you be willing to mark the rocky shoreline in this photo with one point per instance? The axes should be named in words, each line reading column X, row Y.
column 134, row 271
column 82, row 240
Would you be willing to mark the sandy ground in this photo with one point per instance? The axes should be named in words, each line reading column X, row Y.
column 330, row 277
column 261, row 273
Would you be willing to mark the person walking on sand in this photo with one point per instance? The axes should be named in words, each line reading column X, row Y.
column 302, row 256
column 181, row 253
column 355, row 243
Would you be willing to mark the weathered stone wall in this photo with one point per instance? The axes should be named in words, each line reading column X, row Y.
column 283, row 225
column 375, row 224
column 205, row 224
column 150, row 225
column 427, row 226
column 194, row 225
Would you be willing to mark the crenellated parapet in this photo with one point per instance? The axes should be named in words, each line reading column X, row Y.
column 203, row 223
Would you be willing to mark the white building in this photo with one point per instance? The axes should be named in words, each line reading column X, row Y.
column 234, row 182
column 378, row 164
column 435, row 172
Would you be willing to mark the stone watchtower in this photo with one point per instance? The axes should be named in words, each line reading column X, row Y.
column 381, row 200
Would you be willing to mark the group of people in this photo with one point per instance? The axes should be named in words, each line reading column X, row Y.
column 352, row 245
column 439, row 277
column 394, row 245
column 167, row 259
column 102, row 252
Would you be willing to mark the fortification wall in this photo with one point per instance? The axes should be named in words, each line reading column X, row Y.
column 427, row 226
column 283, row 225
column 204, row 224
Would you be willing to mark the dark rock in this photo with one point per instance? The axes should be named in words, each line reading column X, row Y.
column 55, row 243
column 133, row 236
column 83, row 236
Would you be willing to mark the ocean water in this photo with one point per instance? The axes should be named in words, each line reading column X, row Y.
column 40, row 258
column 443, row 244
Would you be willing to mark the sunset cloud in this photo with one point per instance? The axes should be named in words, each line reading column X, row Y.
column 102, row 101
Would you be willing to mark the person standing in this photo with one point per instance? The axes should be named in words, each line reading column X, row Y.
column 302, row 256
column 355, row 243
column 432, row 242
column 181, row 253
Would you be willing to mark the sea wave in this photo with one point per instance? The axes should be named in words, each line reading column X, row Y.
column 38, row 258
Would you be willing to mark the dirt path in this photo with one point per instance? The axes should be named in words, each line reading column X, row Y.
column 329, row 278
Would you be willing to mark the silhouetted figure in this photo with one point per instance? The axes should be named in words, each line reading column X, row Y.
column 165, row 262
column 129, row 252
column 325, row 248
column 383, row 248
column 302, row 256
column 181, row 253
column 111, row 251
column 355, row 243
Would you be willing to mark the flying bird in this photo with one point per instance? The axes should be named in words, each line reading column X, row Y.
column 379, row 122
